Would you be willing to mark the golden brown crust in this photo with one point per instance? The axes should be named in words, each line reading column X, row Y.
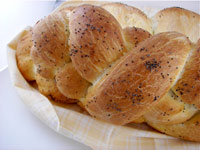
column 133, row 36
column 48, row 88
column 133, row 85
column 129, row 16
column 178, row 19
column 50, row 54
column 95, row 40
column 50, row 47
column 24, row 60
column 70, row 83
column 188, row 86
column 26, row 66
column 170, row 110
column 188, row 130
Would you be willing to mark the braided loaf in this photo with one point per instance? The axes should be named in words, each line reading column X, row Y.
column 119, row 73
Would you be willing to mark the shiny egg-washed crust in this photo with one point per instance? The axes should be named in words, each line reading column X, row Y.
column 51, row 54
column 70, row 83
column 188, row 86
column 50, row 47
column 179, row 20
column 24, row 61
column 94, row 45
column 118, row 73
column 132, row 85
column 170, row 110
column 133, row 36
column 57, row 79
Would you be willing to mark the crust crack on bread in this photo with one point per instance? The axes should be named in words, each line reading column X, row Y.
column 119, row 64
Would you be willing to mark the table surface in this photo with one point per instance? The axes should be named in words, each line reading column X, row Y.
column 19, row 128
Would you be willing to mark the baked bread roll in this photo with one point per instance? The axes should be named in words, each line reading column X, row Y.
column 103, row 58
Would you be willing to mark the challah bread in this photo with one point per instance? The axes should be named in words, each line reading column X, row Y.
column 61, row 73
column 119, row 73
